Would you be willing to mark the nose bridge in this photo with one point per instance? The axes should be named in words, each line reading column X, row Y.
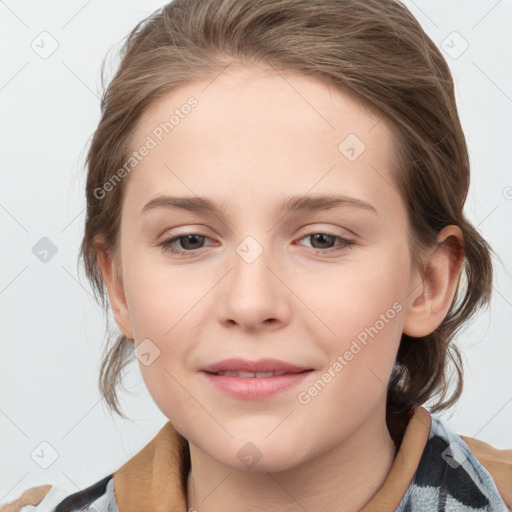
column 251, row 261
column 250, row 249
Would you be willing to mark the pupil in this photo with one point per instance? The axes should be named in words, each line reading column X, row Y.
column 323, row 238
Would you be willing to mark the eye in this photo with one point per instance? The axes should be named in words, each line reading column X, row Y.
column 323, row 242
column 189, row 243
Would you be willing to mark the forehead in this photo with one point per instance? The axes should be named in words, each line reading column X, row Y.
column 238, row 93
column 256, row 130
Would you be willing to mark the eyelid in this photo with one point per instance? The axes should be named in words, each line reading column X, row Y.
column 184, row 230
column 319, row 228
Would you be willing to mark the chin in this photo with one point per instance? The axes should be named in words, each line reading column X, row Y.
column 262, row 454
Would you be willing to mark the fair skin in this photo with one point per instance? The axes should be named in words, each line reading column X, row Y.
column 251, row 142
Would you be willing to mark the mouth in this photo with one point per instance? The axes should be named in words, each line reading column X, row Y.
column 254, row 385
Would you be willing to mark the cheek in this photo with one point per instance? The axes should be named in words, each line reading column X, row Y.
column 161, row 298
column 165, row 306
column 357, row 294
column 163, row 316
column 363, row 308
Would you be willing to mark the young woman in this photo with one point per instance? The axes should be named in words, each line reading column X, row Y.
column 275, row 204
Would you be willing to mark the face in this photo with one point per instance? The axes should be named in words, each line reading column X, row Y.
column 324, row 288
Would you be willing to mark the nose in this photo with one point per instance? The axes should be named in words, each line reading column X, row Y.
column 254, row 294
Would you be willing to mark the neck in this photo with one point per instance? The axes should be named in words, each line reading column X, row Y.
column 343, row 479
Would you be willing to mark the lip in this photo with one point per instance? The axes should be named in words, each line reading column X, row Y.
column 262, row 365
column 254, row 387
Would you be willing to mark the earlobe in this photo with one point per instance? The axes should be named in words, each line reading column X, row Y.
column 430, row 301
column 115, row 289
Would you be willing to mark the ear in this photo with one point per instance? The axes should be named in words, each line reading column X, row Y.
column 113, row 281
column 429, row 301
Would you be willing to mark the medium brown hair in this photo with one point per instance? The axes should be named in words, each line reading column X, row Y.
column 374, row 49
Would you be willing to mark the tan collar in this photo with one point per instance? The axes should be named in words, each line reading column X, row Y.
column 155, row 478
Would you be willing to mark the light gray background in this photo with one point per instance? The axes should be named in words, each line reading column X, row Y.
column 52, row 331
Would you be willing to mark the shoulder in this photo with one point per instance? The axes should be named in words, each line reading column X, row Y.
column 98, row 497
column 497, row 462
column 466, row 471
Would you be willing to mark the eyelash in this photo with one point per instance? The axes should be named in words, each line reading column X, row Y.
column 346, row 243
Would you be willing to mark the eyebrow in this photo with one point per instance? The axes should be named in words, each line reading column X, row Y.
column 295, row 203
